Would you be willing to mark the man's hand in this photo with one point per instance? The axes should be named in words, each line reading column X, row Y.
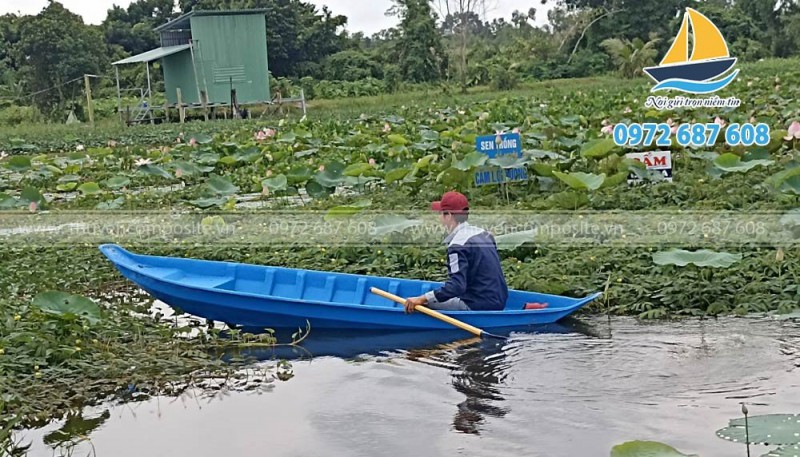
column 413, row 302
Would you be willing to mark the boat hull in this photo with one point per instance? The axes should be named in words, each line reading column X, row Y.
column 270, row 297
column 692, row 71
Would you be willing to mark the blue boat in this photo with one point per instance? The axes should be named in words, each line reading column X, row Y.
column 255, row 296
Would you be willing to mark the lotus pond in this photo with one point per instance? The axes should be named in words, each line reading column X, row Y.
column 720, row 240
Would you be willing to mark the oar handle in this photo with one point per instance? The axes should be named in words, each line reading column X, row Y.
column 424, row 309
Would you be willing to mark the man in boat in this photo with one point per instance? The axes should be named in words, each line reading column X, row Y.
column 476, row 281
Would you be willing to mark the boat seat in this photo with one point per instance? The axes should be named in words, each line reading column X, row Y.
column 211, row 282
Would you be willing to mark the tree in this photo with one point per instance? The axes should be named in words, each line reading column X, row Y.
column 298, row 37
column 631, row 56
column 419, row 46
column 56, row 47
column 463, row 14
column 133, row 28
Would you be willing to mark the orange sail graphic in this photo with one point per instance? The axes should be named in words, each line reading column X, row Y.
column 708, row 41
column 679, row 52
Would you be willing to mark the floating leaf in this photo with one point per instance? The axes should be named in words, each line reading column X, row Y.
column 66, row 187
column 7, row 201
column 701, row 258
column 276, row 183
column 117, row 182
column 779, row 178
column 543, row 169
column 317, row 190
column 568, row 200
column 384, row 225
column 598, row 149
column 31, row 195
column 646, row 449
column 396, row 175
column 329, row 178
column 288, row 137
column 470, row 161
column 208, row 202
column 154, row 170
column 704, row 155
column 299, row 175
column 89, row 188
column 111, row 204
column 19, row 163
column 221, row 186
column 62, row 303
column 509, row 161
column 512, row 241
column 190, row 169
column 580, row 180
column 791, row 185
column 398, row 140
column 347, row 210
column 358, row 169
column 770, row 429
column 733, row 164
column 305, row 153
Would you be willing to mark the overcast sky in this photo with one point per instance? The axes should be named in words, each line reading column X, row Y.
column 364, row 15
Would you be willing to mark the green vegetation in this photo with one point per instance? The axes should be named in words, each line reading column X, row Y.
column 443, row 45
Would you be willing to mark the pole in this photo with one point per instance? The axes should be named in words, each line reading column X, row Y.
column 89, row 99
column 119, row 97
column 181, row 110
column 149, row 93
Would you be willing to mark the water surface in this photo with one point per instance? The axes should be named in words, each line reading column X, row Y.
column 574, row 389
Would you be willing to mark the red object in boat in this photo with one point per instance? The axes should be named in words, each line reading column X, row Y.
column 535, row 305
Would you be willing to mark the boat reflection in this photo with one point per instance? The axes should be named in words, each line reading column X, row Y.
column 478, row 367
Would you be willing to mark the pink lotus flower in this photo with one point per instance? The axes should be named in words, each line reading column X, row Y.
column 387, row 128
column 178, row 140
column 516, row 130
column 264, row 191
column 673, row 130
column 670, row 122
column 794, row 132
column 269, row 132
column 372, row 162
column 141, row 162
column 608, row 129
column 3, row 155
column 32, row 207
column 80, row 147
column 605, row 122
column 269, row 173
column 260, row 135
column 178, row 173
column 322, row 168
column 193, row 142
column 720, row 122
column 627, row 110
column 111, row 143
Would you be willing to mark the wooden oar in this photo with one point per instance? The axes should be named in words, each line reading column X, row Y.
column 425, row 310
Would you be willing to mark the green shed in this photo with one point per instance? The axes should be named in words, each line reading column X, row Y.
column 208, row 54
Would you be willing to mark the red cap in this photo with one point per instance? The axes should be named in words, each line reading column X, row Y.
column 451, row 202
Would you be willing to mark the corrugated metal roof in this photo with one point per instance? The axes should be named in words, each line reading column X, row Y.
column 182, row 21
column 153, row 54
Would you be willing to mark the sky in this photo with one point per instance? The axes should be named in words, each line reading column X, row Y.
column 363, row 15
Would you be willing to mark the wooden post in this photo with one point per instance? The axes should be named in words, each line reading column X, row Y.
column 181, row 109
column 204, row 100
column 119, row 97
column 89, row 99
column 149, row 94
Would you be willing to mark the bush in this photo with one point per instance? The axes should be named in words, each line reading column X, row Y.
column 392, row 78
column 503, row 78
column 16, row 115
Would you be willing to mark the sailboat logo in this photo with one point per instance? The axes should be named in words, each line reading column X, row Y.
column 709, row 59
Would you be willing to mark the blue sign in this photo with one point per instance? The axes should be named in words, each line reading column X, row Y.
column 502, row 144
column 496, row 146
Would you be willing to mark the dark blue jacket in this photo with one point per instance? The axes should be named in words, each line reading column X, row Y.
column 475, row 273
